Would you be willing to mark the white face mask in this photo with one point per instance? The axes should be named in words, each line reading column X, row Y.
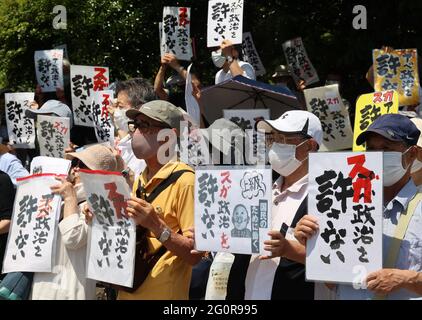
column 393, row 168
column 121, row 120
column 218, row 59
column 80, row 192
column 282, row 158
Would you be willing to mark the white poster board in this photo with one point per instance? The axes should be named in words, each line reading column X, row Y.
column 298, row 62
column 104, row 128
column 53, row 135
column 225, row 22
column 20, row 128
column 232, row 209
column 112, row 236
column 85, row 80
column 33, row 226
column 50, row 165
column 49, row 69
column 176, row 32
column 346, row 196
column 327, row 104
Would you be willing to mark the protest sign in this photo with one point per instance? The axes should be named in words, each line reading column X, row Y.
column 53, row 134
column 49, row 69
column 250, row 54
column 50, row 165
column 104, row 128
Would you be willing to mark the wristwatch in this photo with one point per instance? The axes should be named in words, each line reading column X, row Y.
column 165, row 235
column 229, row 59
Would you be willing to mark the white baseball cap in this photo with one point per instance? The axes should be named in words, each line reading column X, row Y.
column 295, row 121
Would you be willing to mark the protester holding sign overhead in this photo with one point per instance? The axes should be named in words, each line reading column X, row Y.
column 401, row 276
column 229, row 60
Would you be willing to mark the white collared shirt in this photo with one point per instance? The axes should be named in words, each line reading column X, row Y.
column 260, row 275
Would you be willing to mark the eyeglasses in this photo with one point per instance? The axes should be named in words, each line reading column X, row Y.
column 271, row 138
column 144, row 126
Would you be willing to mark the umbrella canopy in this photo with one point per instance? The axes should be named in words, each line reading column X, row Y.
column 243, row 93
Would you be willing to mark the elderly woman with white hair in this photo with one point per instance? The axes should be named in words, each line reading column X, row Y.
column 68, row 281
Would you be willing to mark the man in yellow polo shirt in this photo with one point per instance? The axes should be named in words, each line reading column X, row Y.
column 169, row 216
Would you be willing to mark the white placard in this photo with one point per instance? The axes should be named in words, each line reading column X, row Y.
column 50, row 165
column 232, row 209
column 53, row 135
column 112, row 237
column 327, row 104
column 49, row 69
column 176, row 32
column 346, row 196
column 104, row 129
column 298, row 62
column 250, row 54
column 225, row 21
column 20, row 128
column 85, row 80
column 33, row 226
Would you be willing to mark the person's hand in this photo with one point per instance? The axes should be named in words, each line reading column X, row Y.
column 306, row 228
column 277, row 245
column 64, row 189
column 144, row 214
column 71, row 148
column 87, row 213
column 301, row 85
column 111, row 108
column 34, row 105
column 191, row 237
column 196, row 92
column 385, row 281
column 226, row 47
column 172, row 61
column 387, row 49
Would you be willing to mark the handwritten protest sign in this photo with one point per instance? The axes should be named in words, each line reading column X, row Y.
column 250, row 54
column 104, row 129
column 232, row 209
column 398, row 70
column 20, row 128
column 176, row 32
column 50, row 165
column 298, row 62
column 345, row 194
column 33, row 226
column 160, row 35
column 49, row 69
column 327, row 105
column 371, row 106
column 225, row 21
column 53, row 134
column 111, row 248
column 85, row 80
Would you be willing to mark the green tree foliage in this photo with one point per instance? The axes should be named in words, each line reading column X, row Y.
column 123, row 34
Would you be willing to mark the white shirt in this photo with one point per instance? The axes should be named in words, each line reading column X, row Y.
column 248, row 72
column 11, row 165
column 410, row 253
column 68, row 279
column 260, row 275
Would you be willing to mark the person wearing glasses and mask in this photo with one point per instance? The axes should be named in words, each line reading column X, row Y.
column 228, row 58
column 163, row 203
column 281, row 274
column 401, row 276
column 130, row 93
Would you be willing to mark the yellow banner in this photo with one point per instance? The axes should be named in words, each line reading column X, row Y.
column 369, row 107
column 397, row 70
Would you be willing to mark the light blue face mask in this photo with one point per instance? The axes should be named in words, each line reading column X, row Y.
column 218, row 59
